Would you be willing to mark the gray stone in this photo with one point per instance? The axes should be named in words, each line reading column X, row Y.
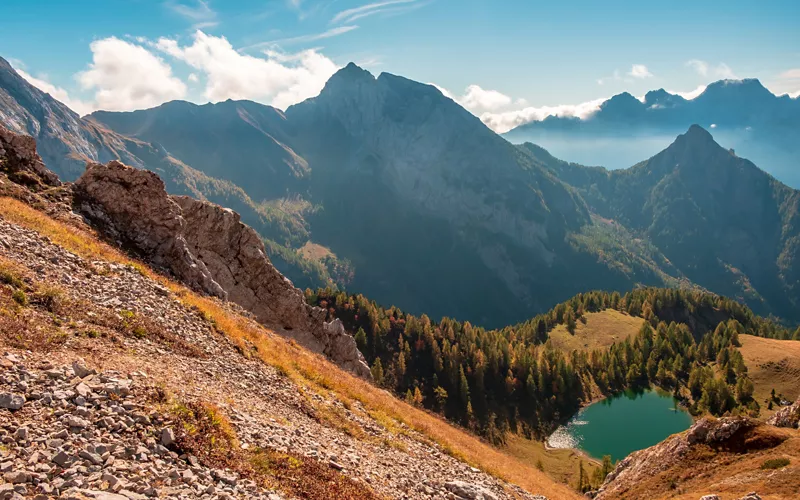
column 80, row 369
column 167, row 436
column 17, row 477
column 76, row 422
column 469, row 491
column 11, row 401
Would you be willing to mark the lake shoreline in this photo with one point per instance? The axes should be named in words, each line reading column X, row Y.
column 638, row 417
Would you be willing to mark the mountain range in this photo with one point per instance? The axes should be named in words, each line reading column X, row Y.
column 387, row 187
column 743, row 114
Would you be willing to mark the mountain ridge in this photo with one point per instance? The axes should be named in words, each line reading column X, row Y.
column 402, row 186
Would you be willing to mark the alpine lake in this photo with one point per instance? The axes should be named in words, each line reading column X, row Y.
column 621, row 424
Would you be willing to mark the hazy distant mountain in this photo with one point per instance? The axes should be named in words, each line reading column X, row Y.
column 723, row 223
column 388, row 187
column 744, row 115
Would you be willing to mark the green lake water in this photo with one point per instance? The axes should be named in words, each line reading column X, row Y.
column 622, row 424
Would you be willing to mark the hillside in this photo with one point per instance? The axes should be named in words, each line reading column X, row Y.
column 772, row 364
column 167, row 392
column 596, row 330
column 729, row 458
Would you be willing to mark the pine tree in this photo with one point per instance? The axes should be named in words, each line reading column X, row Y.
column 581, row 477
column 377, row 372
column 418, row 398
column 361, row 340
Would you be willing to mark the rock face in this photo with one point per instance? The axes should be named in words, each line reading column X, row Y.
column 208, row 248
column 235, row 256
column 132, row 206
column 19, row 160
column 788, row 416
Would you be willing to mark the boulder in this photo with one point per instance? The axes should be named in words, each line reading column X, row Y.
column 469, row 491
column 711, row 431
column 788, row 416
column 11, row 401
column 20, row 161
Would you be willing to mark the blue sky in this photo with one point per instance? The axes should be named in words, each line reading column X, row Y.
column 498, row 58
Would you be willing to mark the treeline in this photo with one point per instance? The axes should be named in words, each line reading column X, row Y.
column 512, row 379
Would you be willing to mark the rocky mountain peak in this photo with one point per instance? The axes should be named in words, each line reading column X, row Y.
column 621, row 107
column 662, row 99
column 348, row 76
column 747, row 93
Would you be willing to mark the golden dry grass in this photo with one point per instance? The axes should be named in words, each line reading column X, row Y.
column 562, row 464
column 772, row 364
column 600, row 331
column 302, row 365
column 729, row 474
column 314, row 251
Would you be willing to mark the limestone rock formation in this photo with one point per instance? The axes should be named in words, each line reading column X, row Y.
column 235, row 256
column 20, row 161
column 788, row 416
column 132, row 206
column 209, row 248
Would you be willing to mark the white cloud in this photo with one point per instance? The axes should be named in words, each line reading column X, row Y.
column 505, row 121
column 126, row 76
column 193, row 78
column 787, row 82
column 199, row 13
column 355, row 13
column 492, row 107
column 690, row 94
column 700, row 67
column 640, row 71
column 478, row 99
column 340, row 30
column 703, row 68
column 278, row 79
column 724, row 71
column 58, row 93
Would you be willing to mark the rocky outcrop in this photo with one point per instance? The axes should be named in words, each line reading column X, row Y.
column 739, row 434
column 207, row 247
column 708, row 431
column 788, row 416
column 132, row 207
column 21, row 163
column 235, row 256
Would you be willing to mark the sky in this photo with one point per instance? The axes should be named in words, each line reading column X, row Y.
column 507, row 61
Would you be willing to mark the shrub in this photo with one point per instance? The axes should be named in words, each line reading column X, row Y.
column 20, row 297
column 775, row 463
column 10, row 276
column 50, row 297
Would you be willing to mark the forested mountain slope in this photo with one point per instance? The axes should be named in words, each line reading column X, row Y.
column 723, row 223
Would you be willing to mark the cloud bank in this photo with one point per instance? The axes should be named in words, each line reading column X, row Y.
column 277, row 79
column 125, row 76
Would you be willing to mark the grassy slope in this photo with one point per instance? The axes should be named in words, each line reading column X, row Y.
column 772, row 364
column 303, row 366
column 600, row 330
